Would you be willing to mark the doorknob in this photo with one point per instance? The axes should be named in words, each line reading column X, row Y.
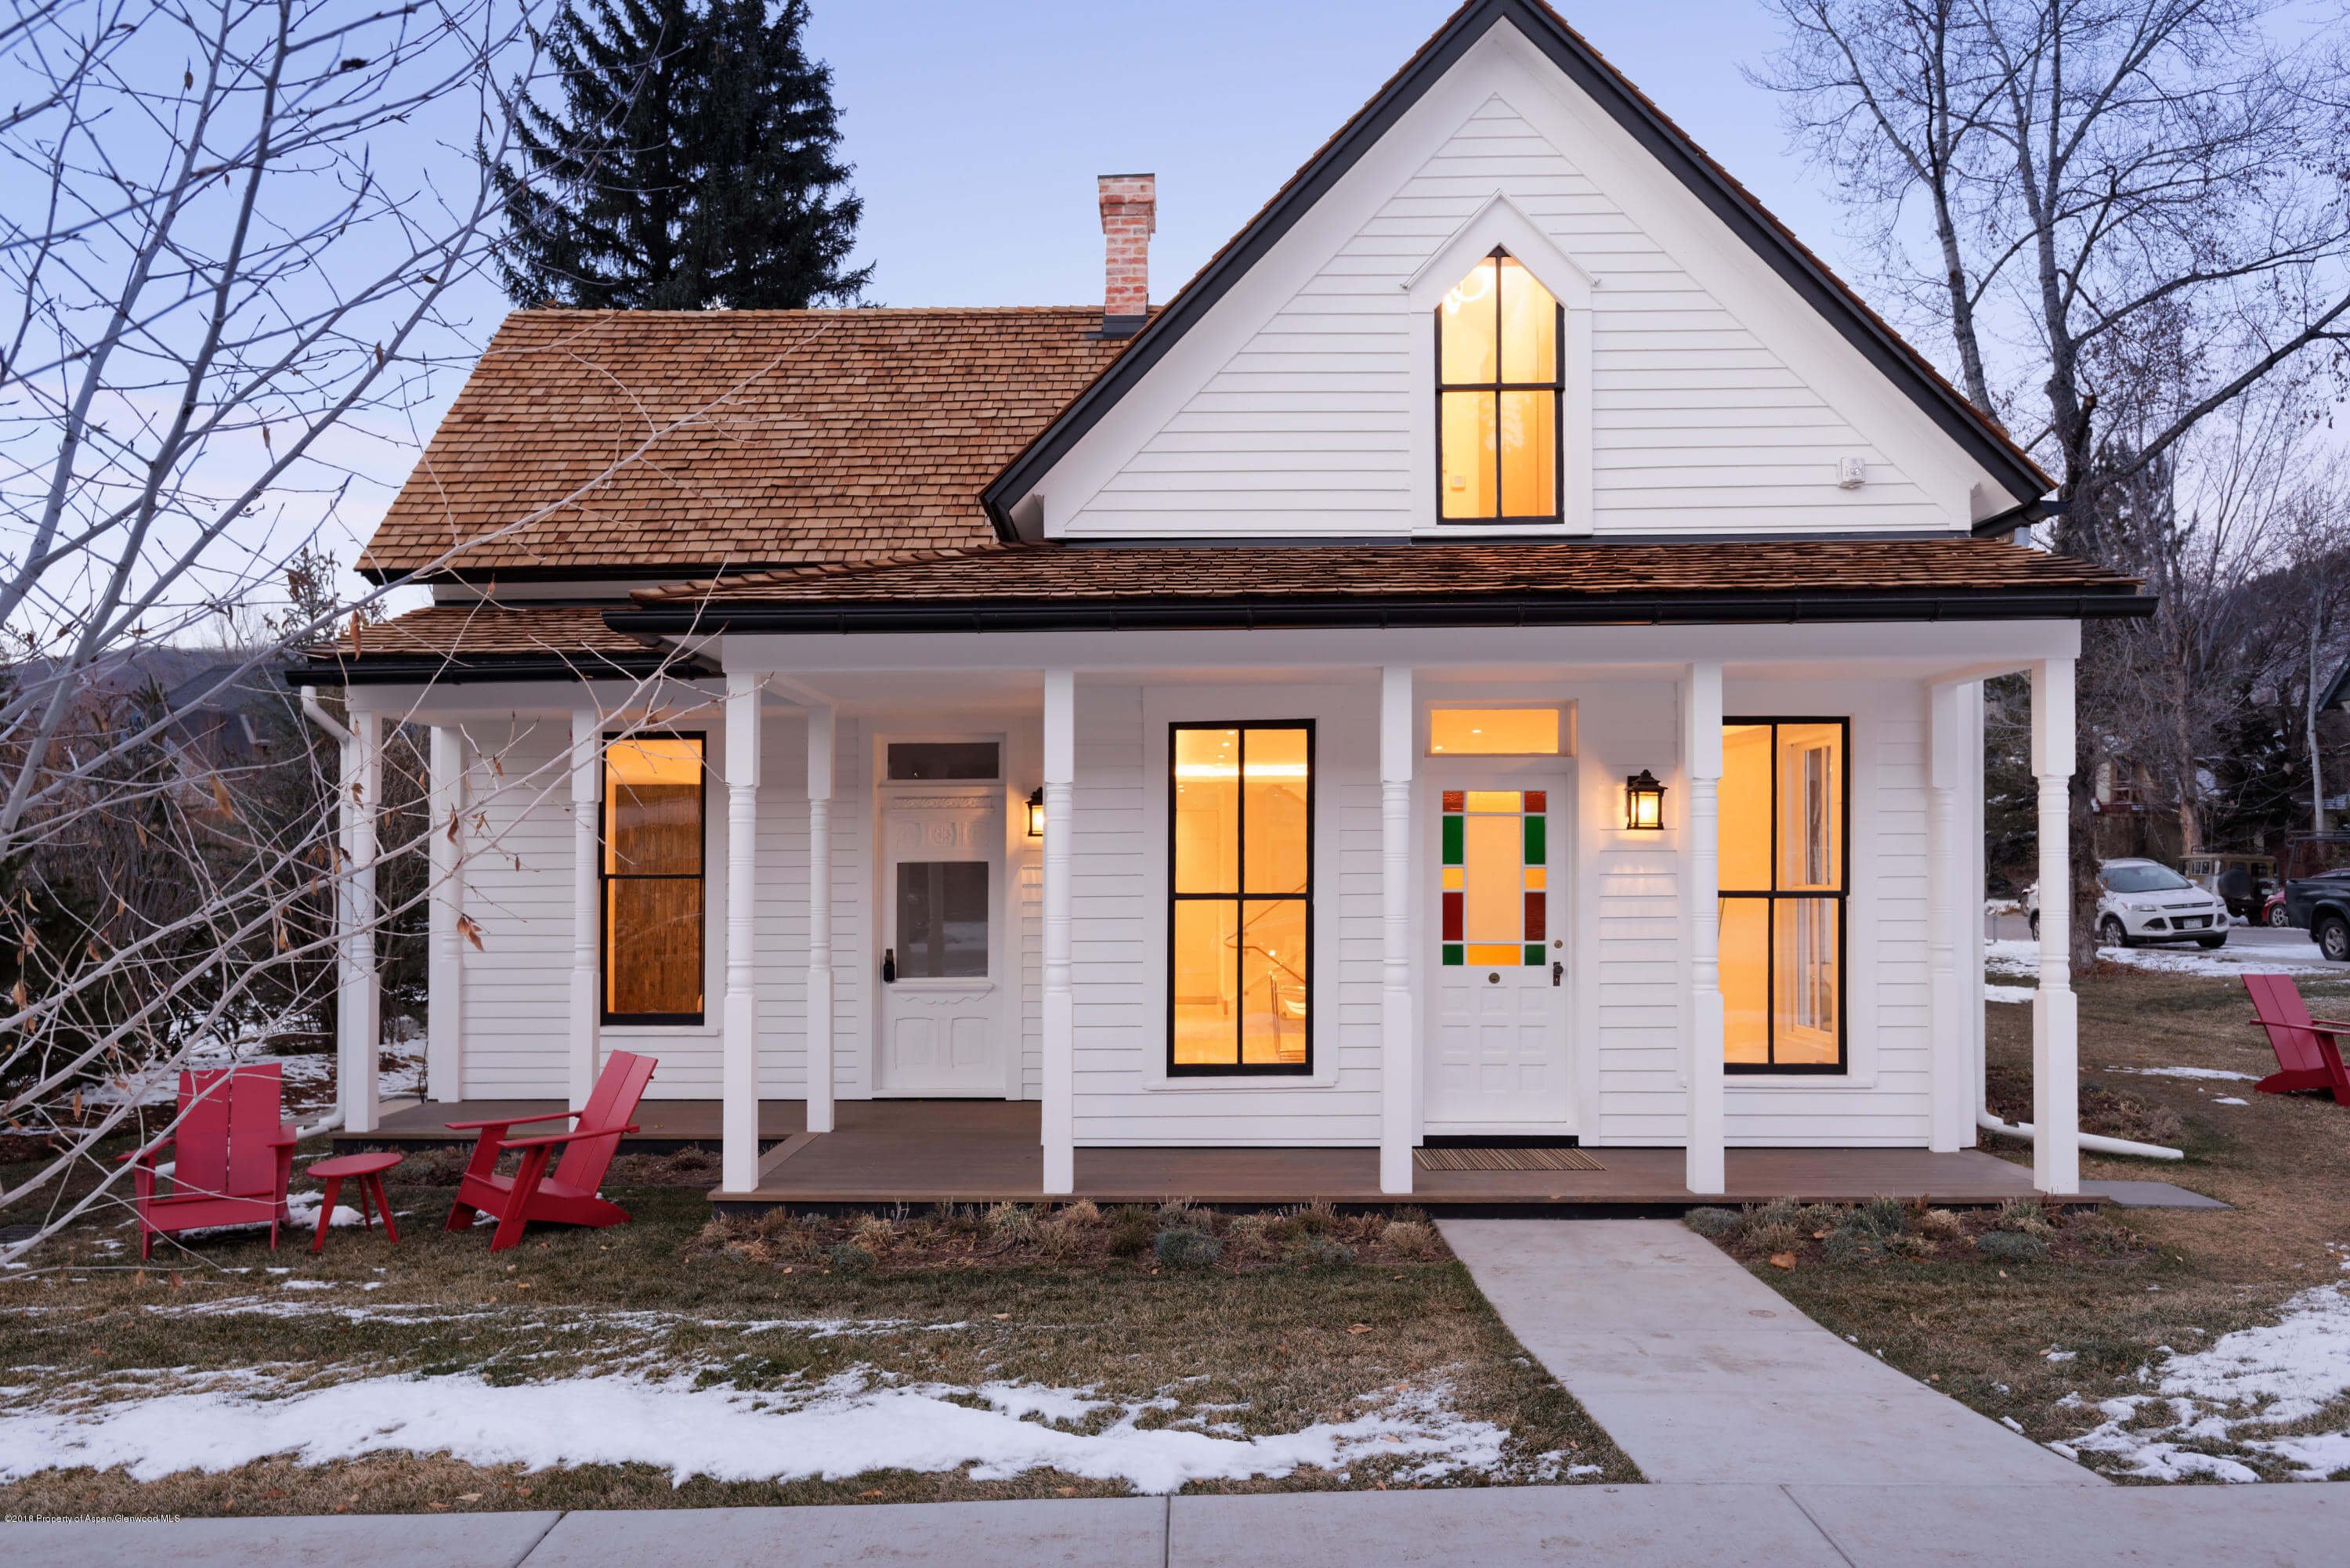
column 1557, row 971
column 889, row 966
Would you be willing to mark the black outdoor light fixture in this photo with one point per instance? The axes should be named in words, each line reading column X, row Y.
column 1037, row 812
column 1644, row 803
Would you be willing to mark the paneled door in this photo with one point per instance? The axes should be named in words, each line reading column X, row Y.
column 944, row 959
column 1498, row 1061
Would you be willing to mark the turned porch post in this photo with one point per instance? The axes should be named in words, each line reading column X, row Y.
column 1397, row 1072
column 444, row 1047
column 2055, row 1022
column 586, row 914
column 1059, row 1109
column 820, row 728
column 359, row 1001
column 739, row 1068
column 1701, row 745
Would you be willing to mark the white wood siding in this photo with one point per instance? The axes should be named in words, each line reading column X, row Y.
column 517, row 888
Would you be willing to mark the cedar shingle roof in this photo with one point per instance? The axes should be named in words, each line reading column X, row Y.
column 1581, row 568
column 668, row 442
column 457, row 641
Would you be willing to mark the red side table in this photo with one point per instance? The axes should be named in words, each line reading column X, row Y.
column 368, row 1170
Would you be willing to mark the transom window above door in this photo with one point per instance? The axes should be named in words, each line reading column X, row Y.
column 923, row 762
column 1500, row 351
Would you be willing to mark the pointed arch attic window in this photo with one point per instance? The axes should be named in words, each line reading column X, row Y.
column 1500, row 345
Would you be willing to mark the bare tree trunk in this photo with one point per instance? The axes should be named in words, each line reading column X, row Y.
column 2316, row 759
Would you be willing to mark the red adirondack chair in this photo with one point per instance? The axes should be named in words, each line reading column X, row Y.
column 234, row 1154
column 2308, row 1050
column 568, row 1196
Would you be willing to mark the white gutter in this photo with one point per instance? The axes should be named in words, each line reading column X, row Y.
column 1990, row 1123
column 320, row 717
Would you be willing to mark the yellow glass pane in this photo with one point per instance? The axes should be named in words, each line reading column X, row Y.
column 1275, row 768
column 1494, row 859
column 1810, row 805
column 1466, row 322
column 1206, row 982
column 1453, row 882
column 1496, row 800
column 1468, row 478
column 1529, row 454
column 1538, row 877
column 652, row 955
column 652, row 807
column 1207, row 811
column 1272, row 981
column 1745, row 829
column 1745, row 994
column 1499, row 952
column 1493, row 732
column 1803, row 980
column 1529, row 327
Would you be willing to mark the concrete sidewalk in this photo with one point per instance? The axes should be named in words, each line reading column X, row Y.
column 1499, row 1527
column 1703, row 1374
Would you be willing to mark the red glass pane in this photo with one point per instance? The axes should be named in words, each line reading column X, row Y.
column 1535, row 798
column 1453, row 903
column 1455, row 800
column 1534, row 930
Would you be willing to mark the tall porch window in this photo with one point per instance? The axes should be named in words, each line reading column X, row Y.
column 1784, row 827
column 1500, row 348
column 653, row 878
column 1240, row 918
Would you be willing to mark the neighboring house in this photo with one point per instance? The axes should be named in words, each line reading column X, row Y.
column 1497, row 655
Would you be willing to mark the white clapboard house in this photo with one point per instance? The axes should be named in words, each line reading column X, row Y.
column 1495, row 660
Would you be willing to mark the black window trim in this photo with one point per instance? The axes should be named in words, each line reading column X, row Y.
column 1841, row 898
column 1237, row 1068
column 605, row 878
column 1557, row 387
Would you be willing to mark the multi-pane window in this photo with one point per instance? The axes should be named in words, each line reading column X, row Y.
column 1495, row 907
column 653, row 876
column 1241, row 924
column 1500, row 345
column 1783, row 893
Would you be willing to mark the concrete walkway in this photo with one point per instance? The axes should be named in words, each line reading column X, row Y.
column 1704, row 1375
column 1496, row 1527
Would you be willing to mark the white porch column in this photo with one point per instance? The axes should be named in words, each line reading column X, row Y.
column 819, row 970
column 1976, row 860
column 444, row 1044
column 586, row 1001
column 1951, row 1118
column 1059, row 1109
column 739, row 1062
column 2056, row 1021
column 359, row 1001
column 1397, row 1072
column 1702, row 746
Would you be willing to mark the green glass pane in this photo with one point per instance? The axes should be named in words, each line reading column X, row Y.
column 1534, row 955
column 1452, row 954
column 1452, row 841
column 1535, row 853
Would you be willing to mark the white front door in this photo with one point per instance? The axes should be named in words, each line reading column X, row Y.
column 1498, row 1061
column 944, row 959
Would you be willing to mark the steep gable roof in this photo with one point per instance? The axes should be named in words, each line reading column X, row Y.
column 1975, row 432
column 672, row 443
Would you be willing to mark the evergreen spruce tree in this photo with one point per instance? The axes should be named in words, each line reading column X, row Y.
column 693, row 164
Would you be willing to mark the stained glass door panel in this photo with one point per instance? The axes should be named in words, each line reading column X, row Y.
column 1499, row 1055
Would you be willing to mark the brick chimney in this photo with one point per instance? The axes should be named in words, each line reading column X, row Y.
column 1130, row 214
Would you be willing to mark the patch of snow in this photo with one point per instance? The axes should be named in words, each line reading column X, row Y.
column 2187, row 1073
column 846, row 1425
column 306, row 1284
column 2246, row 1381
column 2231, row 1100
column 2021, row 958
column 2063, row 1356
column 2023, row 993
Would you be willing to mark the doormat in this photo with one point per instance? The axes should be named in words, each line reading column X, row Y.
column 1499, row 1158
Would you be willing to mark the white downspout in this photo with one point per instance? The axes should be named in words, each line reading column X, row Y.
column 343, row 737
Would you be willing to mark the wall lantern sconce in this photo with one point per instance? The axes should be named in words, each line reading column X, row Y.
column 1037, row 812
column 1644, row 803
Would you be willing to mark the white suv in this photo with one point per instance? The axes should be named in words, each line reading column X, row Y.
column 2147, row 901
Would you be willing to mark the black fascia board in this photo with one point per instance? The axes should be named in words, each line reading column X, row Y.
column 1956, row 416
column 428, row 671
column 1382, row 612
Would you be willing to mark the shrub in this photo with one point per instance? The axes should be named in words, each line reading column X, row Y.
column 1938, row 1223
column 1410, row 1238
column 2024, row 1216
column 1252, row 1235
column 1319, row 1251
column 1868, row 1232
column 1916, row 1246
column 874, row 1233
column 1011, row 1221
column 1315, row 1220
column 1178, row 1211
column 1882, row 1217
column 2012, row 1247
column 1081, row 1212
column 1131, row 1233
column 1714, row 1222
column 1187, row 1247
column 849, row 1258
column 1784, row 1237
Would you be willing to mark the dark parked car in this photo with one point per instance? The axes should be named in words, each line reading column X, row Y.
column 2321, row 905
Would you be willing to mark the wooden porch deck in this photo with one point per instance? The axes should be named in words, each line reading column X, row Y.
column 662, row 1124
column 987, row 1151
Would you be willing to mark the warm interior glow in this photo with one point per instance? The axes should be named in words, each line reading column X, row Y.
column 1238, row 977
column 1495, row 865
column 1781, row 954
column 652, row 866
column 1493, row 732
column 1745, row 798
column 1497, row 368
